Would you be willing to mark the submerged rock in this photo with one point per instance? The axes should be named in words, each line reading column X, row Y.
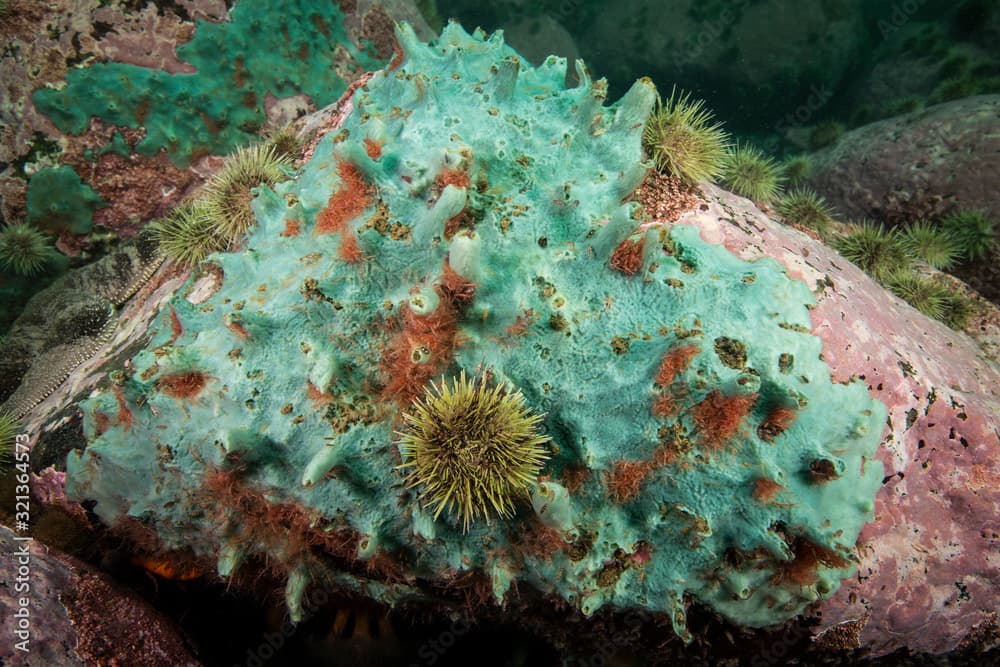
column 76, row 615
column 929, row 573
column 714, row 387
column 923, row 164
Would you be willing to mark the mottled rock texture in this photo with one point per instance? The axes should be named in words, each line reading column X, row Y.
column 920, row 165
column 78, row 616
column 929, row 571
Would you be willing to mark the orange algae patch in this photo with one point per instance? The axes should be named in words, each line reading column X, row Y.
column 518, row 329
column 318, row 398
column 458, row 290
column 292, row 228
column 625, row 479
column 574, row 477
column 175, row 326
column 675, row 362
column 281, row 528
column 101, row 423
column 124, row 417
column 236, row 328
column 183, row 385
column 427, row 343
column 373, row 148
column 349, row 250
column 665, row 406
column 720, row 417
column 764, row 489
column 423, row 349
column 777, row 421
column 455, row 223
column 809, row 556
column 627, row 257
column 459, row 179
column 397, row 56
column 350, row 199
column 165, row 569
column 539, row 540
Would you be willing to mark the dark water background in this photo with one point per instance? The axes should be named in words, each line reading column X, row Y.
column 767, row 67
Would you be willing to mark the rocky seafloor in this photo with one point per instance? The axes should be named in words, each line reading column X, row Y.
column 754, row 451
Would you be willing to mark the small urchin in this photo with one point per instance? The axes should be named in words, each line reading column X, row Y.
column 23, row 249
column 752, row 174
column 230, row 190
column 933, row 244
column 878, row 251
column 9, row 429
column 805, row 207
column 797, row 169
column 471, row 449
column 189, row 233
column 682, row 139
column 973, row 230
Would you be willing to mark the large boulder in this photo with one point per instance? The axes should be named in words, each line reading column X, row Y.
column 56, row 610
column 923, row 164
column 741, row 421
column 929, row 572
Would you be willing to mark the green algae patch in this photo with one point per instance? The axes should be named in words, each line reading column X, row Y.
column 59, row 201
column 685, row 464
column 281, row 48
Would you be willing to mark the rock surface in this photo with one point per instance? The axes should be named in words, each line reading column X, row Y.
column 923, row 583
column 77, row 616
column 929, row 572
column 921, row 165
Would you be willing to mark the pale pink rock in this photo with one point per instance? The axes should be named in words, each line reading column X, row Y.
column 929, row 571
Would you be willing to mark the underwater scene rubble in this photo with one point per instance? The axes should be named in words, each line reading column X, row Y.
column 473, row 344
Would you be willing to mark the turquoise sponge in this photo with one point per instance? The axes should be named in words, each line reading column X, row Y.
column 281, row 49
column 468, row 217
column 58, row 200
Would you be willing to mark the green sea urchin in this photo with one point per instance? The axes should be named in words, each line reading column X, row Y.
column 875, row 249
column 23, row 249
column 286, row 144
column 472, row 449
column 957, row 310
column 682, row 139
column 752, row 174
column 934, row 245
column 9, row 428
column 933, row 297
column 973, row 231
column 796, row 169
column 921, row 292
column 190, row 232
column 806, row 208
column 230, row 190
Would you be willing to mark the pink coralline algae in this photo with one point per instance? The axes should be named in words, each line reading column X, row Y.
column 929, row 573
